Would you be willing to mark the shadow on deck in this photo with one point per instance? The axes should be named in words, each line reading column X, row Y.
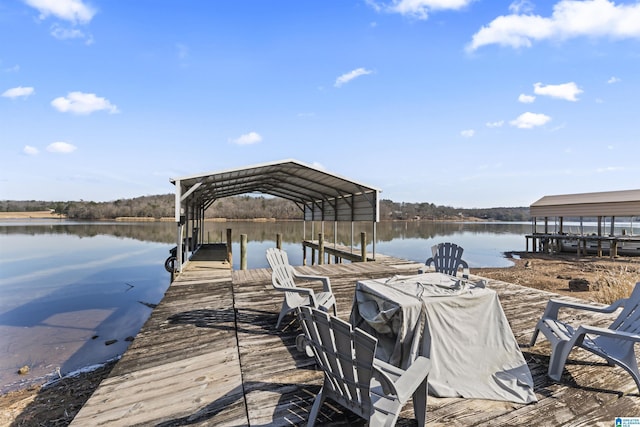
column 210, row 355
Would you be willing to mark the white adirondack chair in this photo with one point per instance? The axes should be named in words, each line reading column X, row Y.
column 353, row 378
column 283, row 278
column 615, row 344
column 447, row 258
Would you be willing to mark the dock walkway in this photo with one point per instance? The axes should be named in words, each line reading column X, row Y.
column 210, row 355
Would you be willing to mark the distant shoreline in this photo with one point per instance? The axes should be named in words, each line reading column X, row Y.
column 32, row 215
column 53, row 215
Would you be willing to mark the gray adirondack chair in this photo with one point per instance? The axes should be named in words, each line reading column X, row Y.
column 615, row 344
column 353, row 378
column 283, row 278
column 447, row 258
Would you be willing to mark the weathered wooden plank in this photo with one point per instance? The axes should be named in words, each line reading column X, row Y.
column 183, row 367
column 164, row 392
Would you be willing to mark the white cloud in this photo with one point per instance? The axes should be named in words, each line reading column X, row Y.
column 569, row 19
column 468, row 133
column 614, row 79
column 567, row 91
column 530, row 120
column 83, row 103
column 75, row 11
column 248, row 139
column 61, row 147
column 497, row 124
column 346, row 78
column 526, row 99
column 61, row 33
column 521, row 6
column 610, row 169
column 17, row 92
column 419, row 9
column 30, row 151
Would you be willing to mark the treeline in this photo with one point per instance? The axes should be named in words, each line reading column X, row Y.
column 144, row 207
column 249, row 207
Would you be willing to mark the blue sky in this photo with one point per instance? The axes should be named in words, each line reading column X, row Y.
column 465, row 103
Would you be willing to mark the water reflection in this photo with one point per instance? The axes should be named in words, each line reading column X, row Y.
column 161, row 232
column 291, row 231
column 484, row 243
column 63, row 298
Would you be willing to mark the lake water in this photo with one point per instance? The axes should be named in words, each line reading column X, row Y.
column 73, row 294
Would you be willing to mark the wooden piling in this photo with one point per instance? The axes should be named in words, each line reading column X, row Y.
column 243, row 252
column 229, row 251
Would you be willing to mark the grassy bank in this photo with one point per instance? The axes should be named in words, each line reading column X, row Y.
column 31, row 215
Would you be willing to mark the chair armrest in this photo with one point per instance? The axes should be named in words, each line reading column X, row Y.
column 554, row 306
column 412, row 377
column 386, row 373
column 409, row 380
column 606, row 332
column 326, row 283
column 303, row 291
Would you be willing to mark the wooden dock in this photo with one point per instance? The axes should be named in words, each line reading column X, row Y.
column 210, row 355
column 328, row 252
column 584, row 244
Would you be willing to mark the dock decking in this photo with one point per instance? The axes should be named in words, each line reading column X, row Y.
column 210, row 355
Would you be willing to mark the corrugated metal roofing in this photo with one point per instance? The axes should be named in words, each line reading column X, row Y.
column 320, row 195
column 608, row 203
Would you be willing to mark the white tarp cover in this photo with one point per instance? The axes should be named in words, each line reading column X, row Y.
column 461, row 327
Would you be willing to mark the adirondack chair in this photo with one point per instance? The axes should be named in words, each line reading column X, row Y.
column 447, row 258
column 283, row 278
column 353, row 378
column 615, row 344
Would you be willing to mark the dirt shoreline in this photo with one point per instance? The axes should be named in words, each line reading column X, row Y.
column 53, row 404
column 58, row 403
column 31, row 215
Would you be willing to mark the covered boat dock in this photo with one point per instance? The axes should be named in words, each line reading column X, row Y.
column 320, row 195
column 554, row 211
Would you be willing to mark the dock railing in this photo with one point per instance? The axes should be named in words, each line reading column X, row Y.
column 338, row 252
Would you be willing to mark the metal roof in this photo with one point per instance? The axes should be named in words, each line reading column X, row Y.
column 609, row 203
column 320, row 195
